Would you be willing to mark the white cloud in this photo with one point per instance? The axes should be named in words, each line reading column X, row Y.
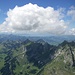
column 31, row 18
column 72, row 31
column 71, row 12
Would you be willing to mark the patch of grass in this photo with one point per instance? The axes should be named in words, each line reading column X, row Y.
column 57, row 67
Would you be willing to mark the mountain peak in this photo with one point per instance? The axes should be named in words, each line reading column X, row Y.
column 41, row 41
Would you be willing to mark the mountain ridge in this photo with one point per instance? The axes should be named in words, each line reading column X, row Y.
column 34, row 58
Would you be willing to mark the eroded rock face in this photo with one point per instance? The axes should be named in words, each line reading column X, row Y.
column 63, row 62
column 67, row 50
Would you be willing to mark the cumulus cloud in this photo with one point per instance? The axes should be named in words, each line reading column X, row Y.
column 72, row 31
column 32, row 18
column 71, row 12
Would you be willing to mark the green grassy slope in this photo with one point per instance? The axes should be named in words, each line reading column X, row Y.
column 63, row 63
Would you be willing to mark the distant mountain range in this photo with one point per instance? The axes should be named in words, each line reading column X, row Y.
column 54, row 40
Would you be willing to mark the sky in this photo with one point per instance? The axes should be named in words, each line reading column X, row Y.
column 37, row 17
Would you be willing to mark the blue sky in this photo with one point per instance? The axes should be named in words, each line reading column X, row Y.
column 5, row 5
column 68, row 7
